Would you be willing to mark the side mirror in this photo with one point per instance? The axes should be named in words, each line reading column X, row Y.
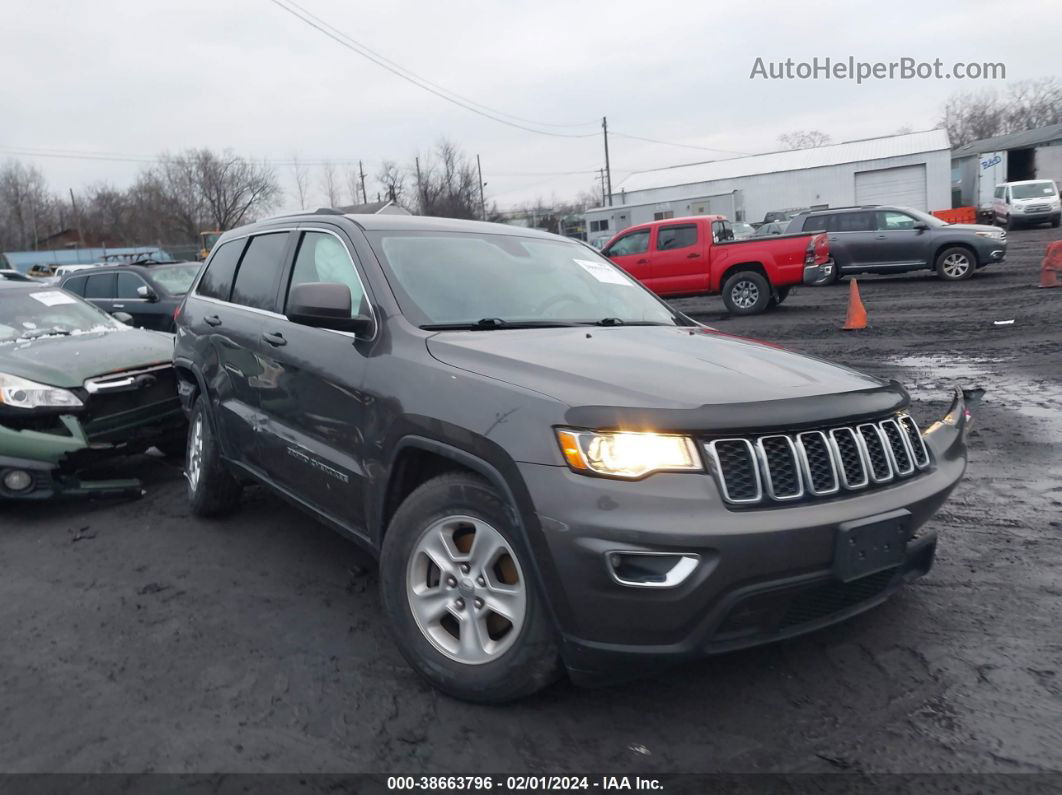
column 325, row 305
column 920, row 226
column 123, row 317
column 146, row 292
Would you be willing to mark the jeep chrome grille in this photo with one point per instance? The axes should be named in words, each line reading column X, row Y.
column 786, row 467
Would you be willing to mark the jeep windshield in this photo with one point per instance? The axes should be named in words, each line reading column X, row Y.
column 35, row 314
column 452, row 280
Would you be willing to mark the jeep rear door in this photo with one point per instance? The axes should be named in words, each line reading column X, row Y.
column 314, row 408
column 238, row 308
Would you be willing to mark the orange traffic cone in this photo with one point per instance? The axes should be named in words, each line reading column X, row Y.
column 1052, row 265
column 857, row 313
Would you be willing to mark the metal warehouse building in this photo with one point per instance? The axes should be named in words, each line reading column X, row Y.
column 912, row 170
column 979, row 166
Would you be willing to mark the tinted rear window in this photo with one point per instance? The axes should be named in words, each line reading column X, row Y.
column 217, row 281
column 259, row 274
column 75, row 286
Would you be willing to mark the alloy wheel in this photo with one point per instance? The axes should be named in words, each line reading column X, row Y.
column 466, row 589
column 195, row 452
column 745, row 294
column 956, row 265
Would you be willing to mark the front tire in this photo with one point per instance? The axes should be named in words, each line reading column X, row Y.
column 746, row 293
column 458, row 589
column 956, row 264
column 212, row 490
column 1056, row 221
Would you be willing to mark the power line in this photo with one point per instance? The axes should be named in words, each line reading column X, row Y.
column 673, row 143
column 449, row 95
column 421, row 79
column 411, row 78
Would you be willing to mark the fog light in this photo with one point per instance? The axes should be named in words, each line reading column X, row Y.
column 17, row 480
column 651, row 569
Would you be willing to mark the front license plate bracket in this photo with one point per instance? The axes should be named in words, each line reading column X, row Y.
column 870, row 545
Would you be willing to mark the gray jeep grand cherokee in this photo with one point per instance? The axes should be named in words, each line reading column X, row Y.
column 555, row 468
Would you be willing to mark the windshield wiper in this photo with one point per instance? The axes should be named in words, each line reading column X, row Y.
column 45, row 332
column 618, row 321
column 490, row 323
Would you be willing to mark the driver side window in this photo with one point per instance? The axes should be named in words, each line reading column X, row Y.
column 322, row 258
column 634, row 243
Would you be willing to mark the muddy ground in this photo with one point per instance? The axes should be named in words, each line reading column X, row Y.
column 135, row 638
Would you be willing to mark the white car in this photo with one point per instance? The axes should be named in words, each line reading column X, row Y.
column 1031, row 201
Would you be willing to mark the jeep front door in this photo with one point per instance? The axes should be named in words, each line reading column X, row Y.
column 314, row 407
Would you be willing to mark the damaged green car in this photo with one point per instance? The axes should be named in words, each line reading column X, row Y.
column 78, row 386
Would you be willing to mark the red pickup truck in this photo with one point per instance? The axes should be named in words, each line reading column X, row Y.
column 699, row 256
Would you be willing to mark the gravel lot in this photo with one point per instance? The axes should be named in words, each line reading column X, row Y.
column 135, row 638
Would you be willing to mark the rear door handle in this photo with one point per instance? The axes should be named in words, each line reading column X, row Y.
column 642, row 262
column 881, row 237
column 275, row 339
column 212, row 320
column 118, row 306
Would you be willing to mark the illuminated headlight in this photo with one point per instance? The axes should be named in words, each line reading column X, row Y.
column 20, row 393
column 628, row 455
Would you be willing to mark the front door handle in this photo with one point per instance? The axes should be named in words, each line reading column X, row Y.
column 692, row 255
column 881, row 237
column 275, row 339
column 212, row 320
column 118, row 306
column 642, row 261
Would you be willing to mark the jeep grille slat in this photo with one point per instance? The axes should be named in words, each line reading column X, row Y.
column 782, row 467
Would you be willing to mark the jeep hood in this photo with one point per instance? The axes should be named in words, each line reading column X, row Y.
column 665, row 377
column 68, row 361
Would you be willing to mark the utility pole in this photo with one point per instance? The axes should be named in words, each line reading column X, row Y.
column 420, row 187
column 364, row 197
column 482, row 201
column 76, row 218
column 604, row 196
column 608, row 168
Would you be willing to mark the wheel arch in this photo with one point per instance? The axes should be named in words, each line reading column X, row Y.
column 737, row 267
column 940, row 249
column 510, row 487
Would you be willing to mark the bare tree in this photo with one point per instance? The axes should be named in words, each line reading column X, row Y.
column 803, row 139
column 330, row 184
column 448, row 183
column 392, row 180
column 302, row 180
column 1027, row 104
column 27, row 211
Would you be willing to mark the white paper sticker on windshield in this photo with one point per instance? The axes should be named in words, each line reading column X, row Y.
column 603, row 273
column 54, row 298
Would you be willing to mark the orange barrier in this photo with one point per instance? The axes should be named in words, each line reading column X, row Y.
column 959, row 215
column 857, row 313
column 1052, row 266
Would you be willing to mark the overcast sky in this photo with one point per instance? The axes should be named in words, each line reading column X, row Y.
column 139, row 77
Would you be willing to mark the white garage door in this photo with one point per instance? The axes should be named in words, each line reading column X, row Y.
column 904, row 185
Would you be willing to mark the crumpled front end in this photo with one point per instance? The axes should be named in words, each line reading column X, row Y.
column 43, row 452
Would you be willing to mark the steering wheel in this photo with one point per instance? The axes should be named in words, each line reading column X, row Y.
column 540, row 310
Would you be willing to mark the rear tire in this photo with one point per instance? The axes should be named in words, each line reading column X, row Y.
column 746, row 293
column 212, row 490
column 956, row 264
column 450, row 555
